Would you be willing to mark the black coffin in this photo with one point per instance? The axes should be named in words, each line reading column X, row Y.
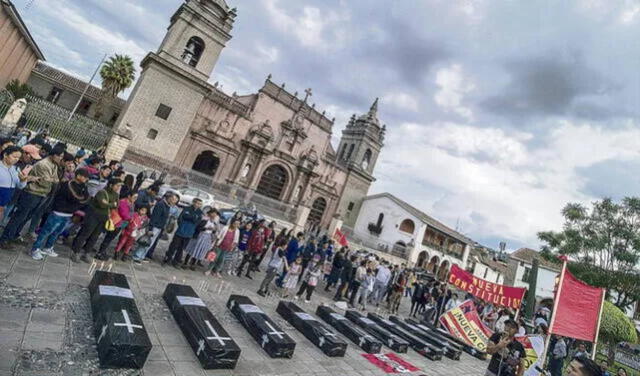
column 213, row 346
column 121, row 336
column 367, row 342
column 315, row 331
column 420, row 346
column 264, row 330
column 444, row 334
column 390, row 340
column 450, row 351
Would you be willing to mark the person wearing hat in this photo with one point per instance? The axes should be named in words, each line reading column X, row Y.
column 95, row 219
column 45, row 174
column 30, row 154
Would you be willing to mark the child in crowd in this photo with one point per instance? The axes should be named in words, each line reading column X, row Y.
column 243, row 245
column 131, row 233
column 291, row 280
column 142, row 243
column 277, row 264
column 310, row 278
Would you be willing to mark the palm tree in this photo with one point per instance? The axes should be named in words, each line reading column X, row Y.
column 117, row 75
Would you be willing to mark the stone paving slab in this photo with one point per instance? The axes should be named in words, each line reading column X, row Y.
column 46, row 326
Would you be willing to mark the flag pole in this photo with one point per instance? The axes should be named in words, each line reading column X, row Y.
column 553, row 313
column 595, row 342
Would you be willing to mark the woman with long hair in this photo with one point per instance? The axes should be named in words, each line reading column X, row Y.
column 10, row 177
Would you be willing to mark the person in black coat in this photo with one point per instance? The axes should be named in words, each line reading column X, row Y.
column 416, row 298
column 346, row 276
column 336, row 269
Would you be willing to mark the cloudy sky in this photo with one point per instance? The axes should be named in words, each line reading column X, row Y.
column 498, row 111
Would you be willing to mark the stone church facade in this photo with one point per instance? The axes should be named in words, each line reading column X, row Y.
column 272, row 143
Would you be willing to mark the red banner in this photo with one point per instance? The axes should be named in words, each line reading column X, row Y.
column 578, row 309
column 463, row 322
column 494, row 293
column 391, row 363
column 339, row 237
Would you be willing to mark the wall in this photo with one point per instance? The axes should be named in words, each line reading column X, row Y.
column 393, row 216
column 545, row 283
column 156, row 86
column 16, row 56
column 69, row 97
column 491, row 275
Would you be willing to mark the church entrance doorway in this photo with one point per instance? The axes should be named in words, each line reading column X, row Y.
column 272, row 182
column 317, row 211
column 207, row 163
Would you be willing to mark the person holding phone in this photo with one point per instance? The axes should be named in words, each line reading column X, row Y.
column 43, row 177
column 10, row 177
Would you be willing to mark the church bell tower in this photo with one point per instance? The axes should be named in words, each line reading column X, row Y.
column 173, row 81
column 360, row 145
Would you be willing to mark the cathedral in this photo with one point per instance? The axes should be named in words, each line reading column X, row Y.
column 272, row 143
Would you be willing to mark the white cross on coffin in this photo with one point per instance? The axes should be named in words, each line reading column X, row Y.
column 127, row 322
column 391, row 342
column 200, row 347
column 216, row 336
column 104, row 331
column 363, row 339
column 327, row 334
column 273, row 330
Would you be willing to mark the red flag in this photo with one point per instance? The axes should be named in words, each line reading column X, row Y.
column 578, row 309
column 339, row 237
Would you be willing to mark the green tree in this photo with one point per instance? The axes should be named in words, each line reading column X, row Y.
column 603, row 244
column 18, row 89
column 615, row 327
column 117, row 73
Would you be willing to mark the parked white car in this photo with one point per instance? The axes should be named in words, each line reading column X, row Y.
column 188, row 194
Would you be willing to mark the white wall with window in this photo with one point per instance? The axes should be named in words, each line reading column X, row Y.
column 546, row 281
column 387, row 224
column 485, row 272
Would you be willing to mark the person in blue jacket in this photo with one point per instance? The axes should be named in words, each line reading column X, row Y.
column 157, row 222
column 187, row 223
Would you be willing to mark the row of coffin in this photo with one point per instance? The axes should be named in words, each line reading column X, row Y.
column 122, row 339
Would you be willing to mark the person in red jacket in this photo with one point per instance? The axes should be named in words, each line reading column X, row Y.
column 255, row 248
column 269, row 236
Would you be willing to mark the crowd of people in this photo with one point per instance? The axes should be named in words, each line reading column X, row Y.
column 82, row 200
column 48, row 195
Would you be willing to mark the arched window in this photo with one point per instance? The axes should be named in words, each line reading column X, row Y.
column 443, row 270
column 206, row 162
column 423, row 257
column 366, row 160
column 380, row 219
column 193, row 51
column 342, row 151
column 272, row 182
column 407, row 226
column 351, row 147
column 317, row 210
column 399, row 248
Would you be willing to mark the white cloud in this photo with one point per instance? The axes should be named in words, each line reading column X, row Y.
column 401, row 100
column 89, row 33
column 314, row 28
column 268, row 55
column 630, row 13
column 507, row 185
column 453, row 86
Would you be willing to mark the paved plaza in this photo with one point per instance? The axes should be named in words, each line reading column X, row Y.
column 46, row 324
